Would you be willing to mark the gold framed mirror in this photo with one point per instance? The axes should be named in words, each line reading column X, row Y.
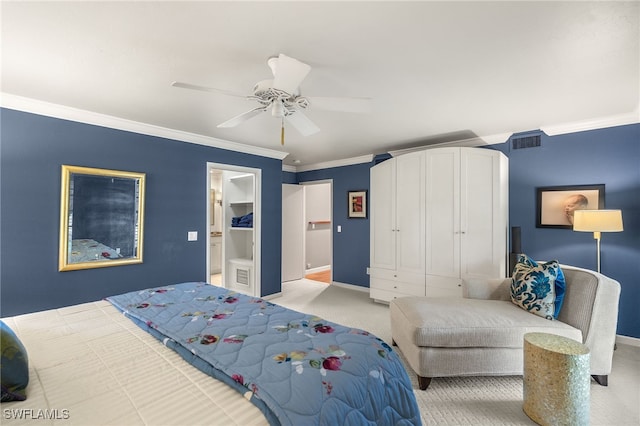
column 101, row 218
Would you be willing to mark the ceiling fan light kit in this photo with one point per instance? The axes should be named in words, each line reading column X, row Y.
column 282, row 96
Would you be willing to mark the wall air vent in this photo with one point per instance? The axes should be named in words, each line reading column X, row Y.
column 525, row 142
column 242, row 276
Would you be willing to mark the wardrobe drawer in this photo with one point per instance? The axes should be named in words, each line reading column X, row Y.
column 399, row 287
column 391, row 275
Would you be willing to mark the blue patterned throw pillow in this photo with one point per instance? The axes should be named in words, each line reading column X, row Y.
column 14, row 366
column 538, row 288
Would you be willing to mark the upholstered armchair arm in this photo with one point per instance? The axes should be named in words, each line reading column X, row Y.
column 487, row 289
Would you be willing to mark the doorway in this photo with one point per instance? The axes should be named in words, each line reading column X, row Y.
column 307, row 237
column 233, row 219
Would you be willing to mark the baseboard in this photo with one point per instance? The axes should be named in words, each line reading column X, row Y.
column 318, row 269
column 626, row 340
column 351, row 286
column 272, row 296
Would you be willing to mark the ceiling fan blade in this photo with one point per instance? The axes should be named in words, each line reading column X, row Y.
column 357, row 105
column 302, row 123
column 206, row 89
column 233, row 122
column 289, row 73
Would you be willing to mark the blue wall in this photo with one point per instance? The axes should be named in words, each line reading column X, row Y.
column 34, row 147
column 351, row 246
column 609, row 156
column 605, row 156
column 289, row 177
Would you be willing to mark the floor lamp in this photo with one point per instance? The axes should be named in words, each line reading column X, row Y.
column 597, row 221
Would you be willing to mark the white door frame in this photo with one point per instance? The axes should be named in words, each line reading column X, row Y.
column 304, row 257
column 257, row 218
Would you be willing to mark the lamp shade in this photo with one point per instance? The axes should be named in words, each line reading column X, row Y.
column 597, row 220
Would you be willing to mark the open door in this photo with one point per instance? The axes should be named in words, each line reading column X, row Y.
column 239, row 224
column 292, row 232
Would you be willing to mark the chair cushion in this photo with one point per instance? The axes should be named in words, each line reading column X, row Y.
column 457, row 322
column 538, row 288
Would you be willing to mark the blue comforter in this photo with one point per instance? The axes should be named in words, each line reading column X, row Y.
column 297, row 368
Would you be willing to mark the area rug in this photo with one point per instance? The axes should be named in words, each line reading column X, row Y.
column 470, row 400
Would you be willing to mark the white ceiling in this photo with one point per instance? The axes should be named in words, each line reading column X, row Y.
column 437, row 71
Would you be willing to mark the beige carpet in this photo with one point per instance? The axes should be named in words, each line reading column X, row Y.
column 468, row 400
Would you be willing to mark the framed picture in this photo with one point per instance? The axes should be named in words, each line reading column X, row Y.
column 357, row 204
column 556, row 204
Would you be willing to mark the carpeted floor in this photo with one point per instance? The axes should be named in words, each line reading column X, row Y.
column 467, row 400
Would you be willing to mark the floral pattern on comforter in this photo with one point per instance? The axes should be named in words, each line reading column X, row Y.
column 298, row 368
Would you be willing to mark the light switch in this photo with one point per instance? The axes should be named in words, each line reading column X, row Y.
column 339, row 228
column 192, row 236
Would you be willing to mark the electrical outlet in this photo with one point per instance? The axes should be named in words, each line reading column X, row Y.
column 192, row 236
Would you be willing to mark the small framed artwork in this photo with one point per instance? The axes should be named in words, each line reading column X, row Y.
column 357, row 203
column 556, row 204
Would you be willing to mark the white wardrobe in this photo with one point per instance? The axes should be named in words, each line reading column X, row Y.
column 437, row 216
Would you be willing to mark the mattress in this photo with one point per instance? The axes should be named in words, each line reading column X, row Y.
column 90, row 365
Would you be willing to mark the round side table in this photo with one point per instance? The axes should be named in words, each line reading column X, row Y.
column 556, row 381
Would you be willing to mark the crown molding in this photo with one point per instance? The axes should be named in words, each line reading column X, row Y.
column 472, row 142
column 34, row 106
column 337, row 163
column 288, row 168
column 597, row 123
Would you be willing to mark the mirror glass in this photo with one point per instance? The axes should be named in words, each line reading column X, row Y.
column 101, row 218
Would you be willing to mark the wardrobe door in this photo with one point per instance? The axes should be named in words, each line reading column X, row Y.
column 382, row 211
column 483, row 213
column 410, row 204
column 442, row 215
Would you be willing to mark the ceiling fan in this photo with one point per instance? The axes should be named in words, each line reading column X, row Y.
column 281, row 96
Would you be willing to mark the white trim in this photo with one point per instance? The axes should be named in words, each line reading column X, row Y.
column 272, row 296
column 472, row 142
column 34, row 106
column 336, row 163
column 288, row 168
column 626, row 340
column 316, row 182
column 597, row 123
column 317, row 269
column 351, row 286
column 496, row 139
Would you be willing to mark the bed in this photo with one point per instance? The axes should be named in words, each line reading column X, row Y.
column 256, row 363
